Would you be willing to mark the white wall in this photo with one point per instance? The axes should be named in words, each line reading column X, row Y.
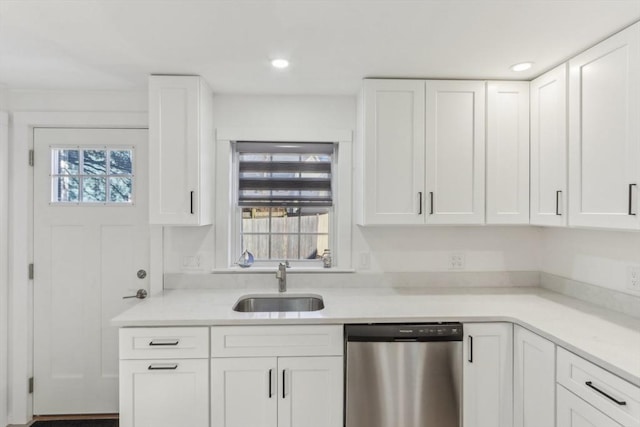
column 69, row 101
column 390, row 249
column 597, row 257
column 4, row 263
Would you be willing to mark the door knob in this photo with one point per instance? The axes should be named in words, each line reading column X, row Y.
column 141, row 294
column 141, row 274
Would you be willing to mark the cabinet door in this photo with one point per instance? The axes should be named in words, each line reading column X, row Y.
column 508, row 153
column 455, row 123
column 244, row 392
column 549, row 148
column 310, row 392
column 392, row 152
column 604, row 133
column 534, row 380
column 487, row 372
column 164, row 393
column 575, row 412
column 180, row 145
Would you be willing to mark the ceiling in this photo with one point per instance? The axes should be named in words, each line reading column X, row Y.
column 331, row 44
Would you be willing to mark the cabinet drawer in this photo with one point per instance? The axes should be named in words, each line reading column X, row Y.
column 257, row 341
column 164, row 343
column 600, row 388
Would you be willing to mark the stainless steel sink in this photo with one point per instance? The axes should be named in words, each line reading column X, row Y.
column 276, row 302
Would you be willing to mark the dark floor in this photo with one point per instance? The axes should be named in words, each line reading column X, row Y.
column 76, row 423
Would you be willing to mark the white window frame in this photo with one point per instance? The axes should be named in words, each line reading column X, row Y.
column 227, row 223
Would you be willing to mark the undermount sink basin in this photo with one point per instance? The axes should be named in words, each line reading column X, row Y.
column 276, row 302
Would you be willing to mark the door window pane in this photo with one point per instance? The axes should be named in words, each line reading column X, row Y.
column 120, row 190
column 65, row 189
column 120, row 162
column 94, row 162
column 65, row 162
column 94, row 190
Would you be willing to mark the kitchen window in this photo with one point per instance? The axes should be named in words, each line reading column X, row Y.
column 284, row 196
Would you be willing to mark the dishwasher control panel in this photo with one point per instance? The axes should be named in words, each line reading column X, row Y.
column 449, row 331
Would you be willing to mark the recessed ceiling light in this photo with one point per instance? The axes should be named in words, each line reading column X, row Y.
column 280, row 63
column 521, row 66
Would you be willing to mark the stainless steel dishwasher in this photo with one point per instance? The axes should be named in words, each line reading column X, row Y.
column 404, row 375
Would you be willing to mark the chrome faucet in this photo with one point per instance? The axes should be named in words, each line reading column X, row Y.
column 281, row 275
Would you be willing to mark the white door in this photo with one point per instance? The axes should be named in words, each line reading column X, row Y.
column 244, row 392
column 392, row 153
column 604, row 133
column 487, row 373
column 508, row 153
column 549, row 148
column 91, row 238
column 575, row 412
column 165, row 393
column 455, row 143
column 534, row 382
column 310, row 393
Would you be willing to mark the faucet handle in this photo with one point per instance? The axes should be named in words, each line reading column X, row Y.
column 285, row 264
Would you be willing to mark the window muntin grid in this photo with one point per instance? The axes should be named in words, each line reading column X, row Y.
column 92, row 175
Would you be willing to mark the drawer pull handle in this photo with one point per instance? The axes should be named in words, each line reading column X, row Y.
column 163, row 367
column 156, row 343
column 619, row 402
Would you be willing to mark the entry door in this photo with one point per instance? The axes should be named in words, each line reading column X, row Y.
column 91, row 238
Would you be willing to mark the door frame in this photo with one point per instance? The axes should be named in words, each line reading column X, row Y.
column 20, row 238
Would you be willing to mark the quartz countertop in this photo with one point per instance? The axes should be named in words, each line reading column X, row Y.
column 607, row 338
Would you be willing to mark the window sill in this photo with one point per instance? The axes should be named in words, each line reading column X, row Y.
column 272, row 270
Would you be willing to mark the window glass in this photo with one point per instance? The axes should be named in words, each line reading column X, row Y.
column 92, row 176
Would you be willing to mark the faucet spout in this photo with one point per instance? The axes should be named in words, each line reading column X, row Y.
column 281, row 275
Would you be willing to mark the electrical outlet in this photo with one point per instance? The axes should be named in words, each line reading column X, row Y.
column 633, row 277
column 365, row 261
column 456, row 261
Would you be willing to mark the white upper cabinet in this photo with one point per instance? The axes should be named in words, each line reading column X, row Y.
column 455, row 152
column 549, row 148
column 180, row 151
column 392, row 152
column 508, row 153
column 604, row 133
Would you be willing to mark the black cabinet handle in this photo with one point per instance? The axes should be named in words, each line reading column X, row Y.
column 284, row 383
column 270, row 383
column 558, row 193
column 157, row 343
column 619, row 402
column 631, row 199
column 420, row 203
column 470, row 359
column 431, row 202
column 191, row 203
column 163, row 367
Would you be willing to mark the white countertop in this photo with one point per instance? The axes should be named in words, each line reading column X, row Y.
column 604, row 337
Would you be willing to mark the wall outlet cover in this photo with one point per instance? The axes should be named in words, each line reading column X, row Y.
column 456, row 261
column 633, row 278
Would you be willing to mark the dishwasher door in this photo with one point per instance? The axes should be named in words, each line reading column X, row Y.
column 404, row 384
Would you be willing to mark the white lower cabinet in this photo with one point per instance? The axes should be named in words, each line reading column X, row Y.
column 164, row 393
column 276, row 391
column 575, row 412
column 488, row 375
column 289, row 387
column 534, row 360
column 164, row 377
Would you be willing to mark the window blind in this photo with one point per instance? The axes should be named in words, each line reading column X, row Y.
column 285, row 174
